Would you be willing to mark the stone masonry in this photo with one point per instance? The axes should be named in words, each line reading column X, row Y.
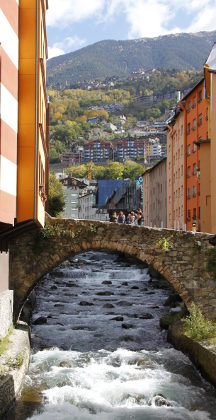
column 181, row 257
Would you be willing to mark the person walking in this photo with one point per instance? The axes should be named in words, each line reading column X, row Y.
column 121, row 217
column 113, row 217
column 139, row 217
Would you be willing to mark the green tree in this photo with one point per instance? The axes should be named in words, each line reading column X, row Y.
column 78, row 171
column 114, row 170
column 56, row 200
column 132, row 170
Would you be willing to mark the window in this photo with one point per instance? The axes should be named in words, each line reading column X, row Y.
column 194, row 190
column 188, row 150
column 206, row 114
column 189, row 107
column 188, row 128
column 200, row 119
column 182, row 170
column 200, row 96
column 194, row 102
column 188, row 193
column 189, row 171
column 194, row 147
column 194, row 169
column 194, row 124
column 194, row 214
column 199, row 213
column 181, row 130
column 189, row 215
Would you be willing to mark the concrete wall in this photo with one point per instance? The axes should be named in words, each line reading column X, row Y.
column 4, row 270
column 6, row 296
column 6, row 312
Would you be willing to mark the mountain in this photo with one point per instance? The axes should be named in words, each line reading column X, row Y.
column 120, row 58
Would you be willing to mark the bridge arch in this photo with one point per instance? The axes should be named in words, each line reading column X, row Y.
column 180, row 257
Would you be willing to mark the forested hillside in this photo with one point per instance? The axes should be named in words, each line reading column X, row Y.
column 72, row 110
column 121, row 58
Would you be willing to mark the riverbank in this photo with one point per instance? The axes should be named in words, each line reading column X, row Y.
column 14, row 363
column 201, row 353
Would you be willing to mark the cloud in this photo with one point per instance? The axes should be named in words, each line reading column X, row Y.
column 69, row 44
column 145, row 18
column 64, row 12
column 54, row 51
column 151, row 18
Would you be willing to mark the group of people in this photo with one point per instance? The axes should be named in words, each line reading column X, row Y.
column 132, row 218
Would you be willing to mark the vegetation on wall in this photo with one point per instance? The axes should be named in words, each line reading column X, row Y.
column 197, row 327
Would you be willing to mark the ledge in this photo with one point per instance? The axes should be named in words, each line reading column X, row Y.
column 201, row 353
column 14, row 365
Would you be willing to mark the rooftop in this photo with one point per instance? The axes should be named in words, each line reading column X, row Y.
column 211, row 61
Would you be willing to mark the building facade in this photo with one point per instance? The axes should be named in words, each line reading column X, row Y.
column 23, row 130
column 155, row 195
column 196, row 129
column 208, row 149
column 9, row 52
column 98, row 151
column 175, row 171
column 33, row 107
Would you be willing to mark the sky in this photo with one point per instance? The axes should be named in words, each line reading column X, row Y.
column 74, row 24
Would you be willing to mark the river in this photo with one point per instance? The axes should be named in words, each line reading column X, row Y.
column 98, row 352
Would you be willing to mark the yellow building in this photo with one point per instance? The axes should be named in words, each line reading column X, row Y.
column 208, row 150
column 32, row 123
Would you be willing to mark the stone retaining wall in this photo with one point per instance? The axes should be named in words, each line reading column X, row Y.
column 202, row 354
column 12, row 371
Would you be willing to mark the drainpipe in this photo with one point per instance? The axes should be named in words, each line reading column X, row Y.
column 36, row 115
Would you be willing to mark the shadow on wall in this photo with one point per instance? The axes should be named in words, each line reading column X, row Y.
column 7, row 395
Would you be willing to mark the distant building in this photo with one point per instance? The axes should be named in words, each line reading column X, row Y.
column 155, row 195
column 98, row 151
column 72, row 189
column 88, row 209
column 123, row 198
column 106, row 188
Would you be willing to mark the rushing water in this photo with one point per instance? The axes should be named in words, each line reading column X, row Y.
column 99, row 353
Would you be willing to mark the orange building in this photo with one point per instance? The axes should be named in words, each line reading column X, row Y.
column 32, row 127
column 23, row 130
column 196, row 129
column 208, row 150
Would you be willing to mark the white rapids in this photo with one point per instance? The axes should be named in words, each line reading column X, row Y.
column 100, row 354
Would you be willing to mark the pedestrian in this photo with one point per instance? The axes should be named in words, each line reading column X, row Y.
column 139, row 217
column 113, row 217
column 133, row 218
column 121, row 217
column 129, row 219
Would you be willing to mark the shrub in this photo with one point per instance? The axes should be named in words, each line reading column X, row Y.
column 197, row 327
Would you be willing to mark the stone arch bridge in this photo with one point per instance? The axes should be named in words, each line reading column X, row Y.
column 181, row 257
